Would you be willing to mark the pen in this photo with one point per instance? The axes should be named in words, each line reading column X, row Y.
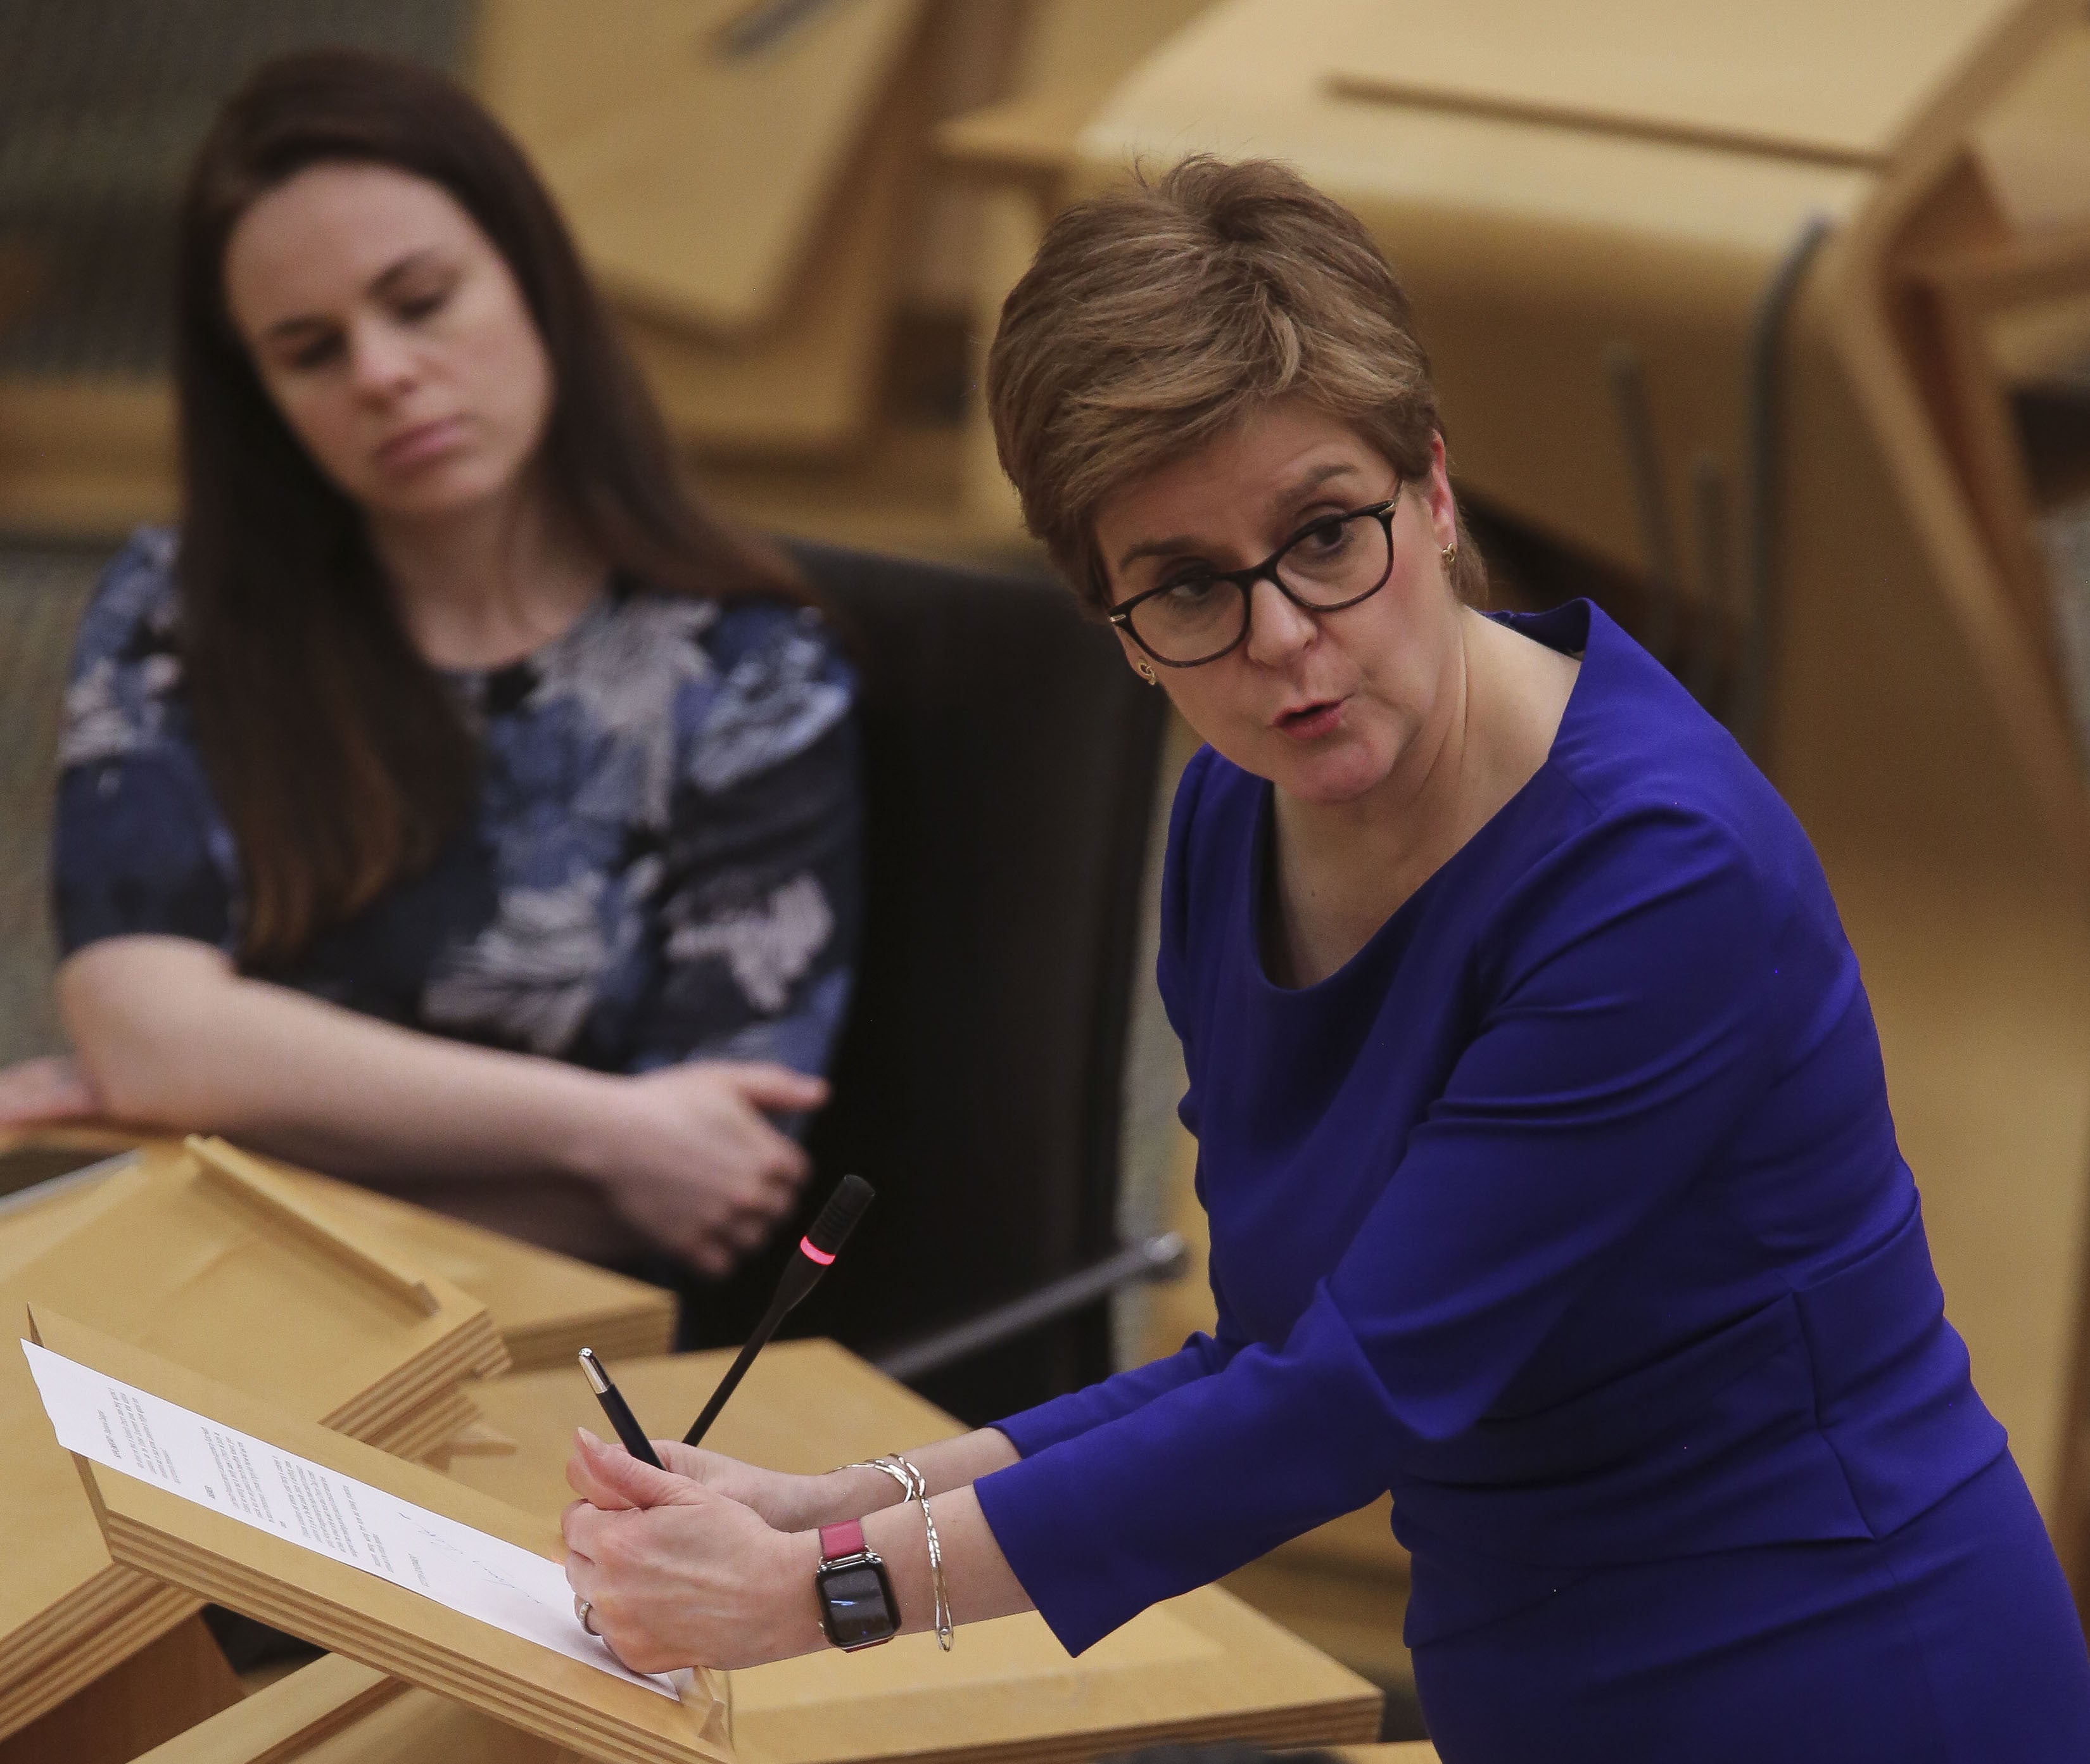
column 817, row 1250
column 618, row 1410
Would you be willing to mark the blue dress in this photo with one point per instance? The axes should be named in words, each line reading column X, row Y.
column 1569, row 1210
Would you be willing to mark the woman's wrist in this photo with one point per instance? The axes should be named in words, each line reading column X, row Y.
column 792, row 1619
column 584, row 1111
column 848, row 1492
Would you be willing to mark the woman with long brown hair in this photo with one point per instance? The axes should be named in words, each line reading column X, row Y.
column 452, row 802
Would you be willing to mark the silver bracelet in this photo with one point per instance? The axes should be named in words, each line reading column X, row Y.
column 915, row 1485
column 909, row 1479
column 936, row 1573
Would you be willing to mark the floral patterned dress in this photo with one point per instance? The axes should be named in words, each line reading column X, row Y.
column 664, row 863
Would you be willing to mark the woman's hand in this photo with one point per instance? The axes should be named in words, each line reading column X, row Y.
column 678, row 1574
column 785, row 1503
column 52, row 1088
column 688, row 1155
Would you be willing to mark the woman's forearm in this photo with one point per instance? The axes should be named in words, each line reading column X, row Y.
column 168, row 1033
column 978, row 1582
column 948, row 1464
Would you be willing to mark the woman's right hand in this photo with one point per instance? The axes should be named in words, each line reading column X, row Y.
column 688, row 1155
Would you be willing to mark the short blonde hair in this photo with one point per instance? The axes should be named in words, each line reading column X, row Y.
column 1158, row 316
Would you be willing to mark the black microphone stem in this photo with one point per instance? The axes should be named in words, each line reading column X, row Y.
column 731, row 1382
column 817, row 1250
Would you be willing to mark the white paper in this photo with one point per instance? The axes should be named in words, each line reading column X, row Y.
column 334, row 1516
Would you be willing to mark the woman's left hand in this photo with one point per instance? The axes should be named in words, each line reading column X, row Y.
column 678, row 1574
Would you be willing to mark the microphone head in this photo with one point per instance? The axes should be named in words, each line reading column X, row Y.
column 839, row 1217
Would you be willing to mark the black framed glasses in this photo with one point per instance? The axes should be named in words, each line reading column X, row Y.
column 1199, row 615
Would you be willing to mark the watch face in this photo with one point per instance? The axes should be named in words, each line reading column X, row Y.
column 858, row 1605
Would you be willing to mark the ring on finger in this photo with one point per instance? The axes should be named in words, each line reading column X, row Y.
column 584, row 1609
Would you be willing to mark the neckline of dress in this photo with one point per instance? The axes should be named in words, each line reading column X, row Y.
column 1540, row 627
column 613, row 593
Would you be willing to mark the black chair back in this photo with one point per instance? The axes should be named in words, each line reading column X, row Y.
column 1010, row 764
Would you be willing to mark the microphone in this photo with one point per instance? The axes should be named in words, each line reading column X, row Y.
column 817, row 1250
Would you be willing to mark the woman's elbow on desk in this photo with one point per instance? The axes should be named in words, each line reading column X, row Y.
column 138, row 1011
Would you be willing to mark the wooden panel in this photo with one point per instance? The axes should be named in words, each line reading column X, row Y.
column 694, row 178
column 255, row 1571
column 86, row 456
column 1072, row 54
column 2034, row 147
column 1834, row 81
column 1528, row 253
column 809, row 382
column 179, row 1681
column 545, row 1306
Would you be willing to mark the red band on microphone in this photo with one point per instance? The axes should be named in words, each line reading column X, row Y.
column 821, row 1256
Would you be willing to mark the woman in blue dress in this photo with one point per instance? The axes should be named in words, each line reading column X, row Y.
column 450, row 803
column 1542, row 1121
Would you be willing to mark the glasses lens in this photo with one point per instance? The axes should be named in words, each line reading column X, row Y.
column 1196, row 618
column 1338, row 560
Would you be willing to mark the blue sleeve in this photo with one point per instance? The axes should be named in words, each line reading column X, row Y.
column 1065, row 1418
column 1631, row 1019
column 135, row 853
column 761, row 912
column 138, row 845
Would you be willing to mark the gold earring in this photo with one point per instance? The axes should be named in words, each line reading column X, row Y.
column 1146, row 672
column 1449, row 553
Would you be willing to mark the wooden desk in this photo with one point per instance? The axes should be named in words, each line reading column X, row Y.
column 1200, row 1667
column 546, row 1307
column 310, row 1316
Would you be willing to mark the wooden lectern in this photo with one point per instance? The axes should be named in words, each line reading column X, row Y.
column 1200, row 1667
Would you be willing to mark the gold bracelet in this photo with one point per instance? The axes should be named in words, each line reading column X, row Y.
column 936, row 1573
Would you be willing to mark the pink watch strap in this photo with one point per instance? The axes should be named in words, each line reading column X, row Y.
column 845, row 1539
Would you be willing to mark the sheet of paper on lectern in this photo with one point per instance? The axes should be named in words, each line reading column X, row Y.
column 264, row 1485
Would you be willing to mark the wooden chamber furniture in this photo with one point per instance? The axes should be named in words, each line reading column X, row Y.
column 1197, row 1668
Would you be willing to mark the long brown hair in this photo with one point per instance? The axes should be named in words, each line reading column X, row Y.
column 339, row 755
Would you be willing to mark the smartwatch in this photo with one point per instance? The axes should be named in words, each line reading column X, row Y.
column 858, row 1609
